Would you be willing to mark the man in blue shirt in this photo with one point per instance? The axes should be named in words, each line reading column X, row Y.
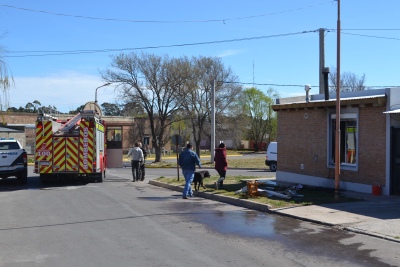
column 188, row 160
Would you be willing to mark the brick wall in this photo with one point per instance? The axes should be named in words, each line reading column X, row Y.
column 18, row 118
column 372, row 146
column 302, row 141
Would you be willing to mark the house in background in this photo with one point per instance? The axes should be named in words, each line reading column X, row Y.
column 17, row 133
column 369, row 146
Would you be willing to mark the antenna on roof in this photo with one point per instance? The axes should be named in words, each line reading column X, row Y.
column 253, row 72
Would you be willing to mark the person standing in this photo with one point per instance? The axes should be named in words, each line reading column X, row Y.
column 221, row 164
column 142, row 166
column 137, row 158
column 188, row 160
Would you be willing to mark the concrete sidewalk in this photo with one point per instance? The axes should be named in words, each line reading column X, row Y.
column 377, row 216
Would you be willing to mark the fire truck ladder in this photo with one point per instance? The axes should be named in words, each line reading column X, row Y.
column 71, row 123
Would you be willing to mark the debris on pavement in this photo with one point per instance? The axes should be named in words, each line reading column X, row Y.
column 271, row 189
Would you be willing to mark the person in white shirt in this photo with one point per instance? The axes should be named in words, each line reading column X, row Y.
column 137, row 159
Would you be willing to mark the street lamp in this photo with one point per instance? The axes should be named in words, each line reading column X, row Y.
column 95, row 96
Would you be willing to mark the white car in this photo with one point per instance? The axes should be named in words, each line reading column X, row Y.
column 272, row 156
column 13, row 160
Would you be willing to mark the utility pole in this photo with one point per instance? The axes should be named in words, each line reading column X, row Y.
column 337, row 139
column 321, row 59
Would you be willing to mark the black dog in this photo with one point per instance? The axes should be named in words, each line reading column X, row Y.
column 198, row 179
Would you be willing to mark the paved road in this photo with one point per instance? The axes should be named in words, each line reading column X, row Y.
column 120, row 223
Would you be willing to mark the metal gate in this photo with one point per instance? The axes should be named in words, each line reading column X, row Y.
column 395, row 162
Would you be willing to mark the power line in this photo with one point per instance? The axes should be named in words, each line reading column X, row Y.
column 265, row 84
column 302, row 85
column 367, row 29
column 90, row 51
column 74, row 52
column 163, row 21
column 370, row 36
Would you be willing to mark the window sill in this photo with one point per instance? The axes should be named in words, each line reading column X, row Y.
column 346, row 167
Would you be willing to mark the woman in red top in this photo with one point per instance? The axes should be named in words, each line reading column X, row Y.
column 221, row 164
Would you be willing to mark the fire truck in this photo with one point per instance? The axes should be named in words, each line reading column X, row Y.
column 71, row 149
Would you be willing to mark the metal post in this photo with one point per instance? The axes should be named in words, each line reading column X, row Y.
column 337, row 141
column 177, row 153
column 321, row 59
column 212, row 120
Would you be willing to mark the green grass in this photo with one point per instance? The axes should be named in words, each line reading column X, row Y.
column 311, row 195
column 236, row 160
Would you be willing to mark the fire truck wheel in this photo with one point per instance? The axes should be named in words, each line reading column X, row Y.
column 100, row 178
column 44, row 178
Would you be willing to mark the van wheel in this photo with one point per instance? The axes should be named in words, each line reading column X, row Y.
column 273, row 167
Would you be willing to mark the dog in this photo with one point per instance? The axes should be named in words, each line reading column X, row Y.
column 198, row 179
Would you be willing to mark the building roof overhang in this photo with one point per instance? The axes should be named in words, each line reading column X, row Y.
column 364, row 101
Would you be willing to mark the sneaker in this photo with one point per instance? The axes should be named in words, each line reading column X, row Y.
column 133, row 180
column 184, row 197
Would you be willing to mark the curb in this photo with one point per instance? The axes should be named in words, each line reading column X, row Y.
column 224, row 199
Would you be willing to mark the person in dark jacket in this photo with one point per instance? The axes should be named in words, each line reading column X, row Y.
column 221, row 164
column 143, row 165
column 188, row 160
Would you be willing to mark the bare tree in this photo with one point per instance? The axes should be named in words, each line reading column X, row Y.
column 154, row 82
column 349, row 81
column 196, row 97
column 6, row 80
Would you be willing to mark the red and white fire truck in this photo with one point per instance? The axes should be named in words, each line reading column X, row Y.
column 71, row 149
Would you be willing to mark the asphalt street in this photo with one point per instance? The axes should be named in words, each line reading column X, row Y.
column 120, row 223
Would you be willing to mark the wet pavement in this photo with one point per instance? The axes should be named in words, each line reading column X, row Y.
column 377, row 216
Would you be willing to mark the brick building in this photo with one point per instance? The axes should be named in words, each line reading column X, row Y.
column 369, row 147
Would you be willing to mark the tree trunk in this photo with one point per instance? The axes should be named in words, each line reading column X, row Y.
column 197, row 143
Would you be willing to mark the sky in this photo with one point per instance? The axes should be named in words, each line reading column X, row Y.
column 266, row 43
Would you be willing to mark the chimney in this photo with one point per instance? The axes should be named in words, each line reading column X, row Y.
column 325, row 71
column 307, row 88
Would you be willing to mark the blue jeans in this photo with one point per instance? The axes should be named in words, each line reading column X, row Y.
column 189, row 175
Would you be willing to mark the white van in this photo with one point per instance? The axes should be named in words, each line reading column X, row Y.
column 272, row 156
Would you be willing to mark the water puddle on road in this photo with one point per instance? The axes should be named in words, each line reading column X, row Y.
column 245, row 223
